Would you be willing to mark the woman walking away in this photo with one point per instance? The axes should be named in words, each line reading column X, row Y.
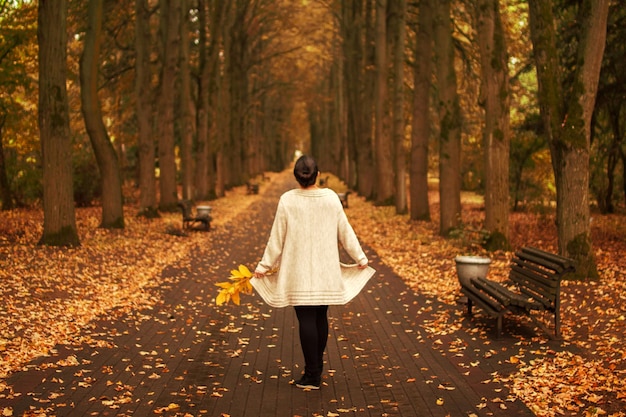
column 303, row 245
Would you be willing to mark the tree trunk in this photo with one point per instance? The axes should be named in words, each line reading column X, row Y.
column 203, row 110
column 186, row 119
column 211, row 20
column 613, row 157
column 59, row 225
column 106, row 157
column 567, row 118
column 145, row 111
column 383, row 145
column 170, row 19
column 358, row 113
column 399, row 12
column 5, row 189
column 623, row 157
column 496, row 133
column 450, row 121
column 224, row 98
column 237, row 76
column 420, row 133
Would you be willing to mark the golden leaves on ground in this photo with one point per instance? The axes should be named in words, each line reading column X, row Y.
column 239, row 283
column 593, row 314
column 50, row 294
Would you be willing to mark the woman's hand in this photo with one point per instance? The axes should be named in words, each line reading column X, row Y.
column 363, row 266
column 258, row 274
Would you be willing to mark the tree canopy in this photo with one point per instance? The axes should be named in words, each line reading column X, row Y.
column 198, row 97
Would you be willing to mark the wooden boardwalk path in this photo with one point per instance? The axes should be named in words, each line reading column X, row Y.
column 187, row 357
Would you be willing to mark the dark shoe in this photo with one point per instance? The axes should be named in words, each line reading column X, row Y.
column 308, row 383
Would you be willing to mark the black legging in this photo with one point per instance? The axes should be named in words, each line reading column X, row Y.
column 313, row 325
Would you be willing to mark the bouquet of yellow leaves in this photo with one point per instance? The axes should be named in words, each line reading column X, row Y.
column 239, row 283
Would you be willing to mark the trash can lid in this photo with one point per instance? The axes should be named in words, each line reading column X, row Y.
column 472, row 260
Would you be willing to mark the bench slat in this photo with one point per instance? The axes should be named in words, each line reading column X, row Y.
column 560, row 264
column 527, row 278
column 494, row 290
column 491, row 307
column 508, row 297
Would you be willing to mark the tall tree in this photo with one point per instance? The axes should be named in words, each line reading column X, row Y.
column 211, row 16
column 494, row 98
column 145, row 110
column 187, row 127
column 399, row 34
column 106, row 157
column 420, row 132
column 566, row 114
column 224, row 100
column 5, row 190
column 170, row 25
column 59, row 226
column 450, row 121
column 383, row 161
column 356, row 32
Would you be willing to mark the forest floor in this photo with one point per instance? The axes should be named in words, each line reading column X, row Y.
column 49, row 294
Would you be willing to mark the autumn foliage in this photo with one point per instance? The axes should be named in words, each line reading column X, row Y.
column 239, row 284
column 51, row 294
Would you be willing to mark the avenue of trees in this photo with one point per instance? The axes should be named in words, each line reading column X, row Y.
column 522, row 101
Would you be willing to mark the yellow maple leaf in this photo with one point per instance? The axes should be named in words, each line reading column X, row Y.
column 236, row 299
column 222, row 298
column 231, row 291
column 242, row 272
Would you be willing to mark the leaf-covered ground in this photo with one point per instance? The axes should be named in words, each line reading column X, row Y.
column 586, row 376
column 49, row 294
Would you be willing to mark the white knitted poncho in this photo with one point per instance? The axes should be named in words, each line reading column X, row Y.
column 303, row 244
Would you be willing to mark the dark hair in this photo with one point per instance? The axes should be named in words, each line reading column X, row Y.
column 305, row 170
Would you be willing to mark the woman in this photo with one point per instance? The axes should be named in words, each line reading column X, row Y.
column 303, row 245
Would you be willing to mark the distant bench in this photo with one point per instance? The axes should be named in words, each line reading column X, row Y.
column 536, row 277
column 343, row 197
column 200, row 221
column 252, row 188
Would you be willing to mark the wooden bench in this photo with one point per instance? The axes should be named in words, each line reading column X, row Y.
column 535, row 283
column 252, row 188
column 200, row 221
column 343, row 197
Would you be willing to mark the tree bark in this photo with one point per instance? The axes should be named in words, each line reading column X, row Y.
column 59, row 225
column 356, row 32
column 384, row 191
column 224, row 98
column 399, row 13
column 5, row 189
column 567, row 118
column 450, row 122
column 496, row 132
column 420, row 133
column 170, row 19
column 106, row 157
column 187, row 127
column 211, row 20
column 145, row 111
column 203, row 107
column 238, row 81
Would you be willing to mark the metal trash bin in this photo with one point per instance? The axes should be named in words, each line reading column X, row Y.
column 204, row 211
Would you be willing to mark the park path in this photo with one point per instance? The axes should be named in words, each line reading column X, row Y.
column 188, row 357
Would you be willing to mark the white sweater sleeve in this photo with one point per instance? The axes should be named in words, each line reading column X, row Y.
column 349, row 240
column 274, row 247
